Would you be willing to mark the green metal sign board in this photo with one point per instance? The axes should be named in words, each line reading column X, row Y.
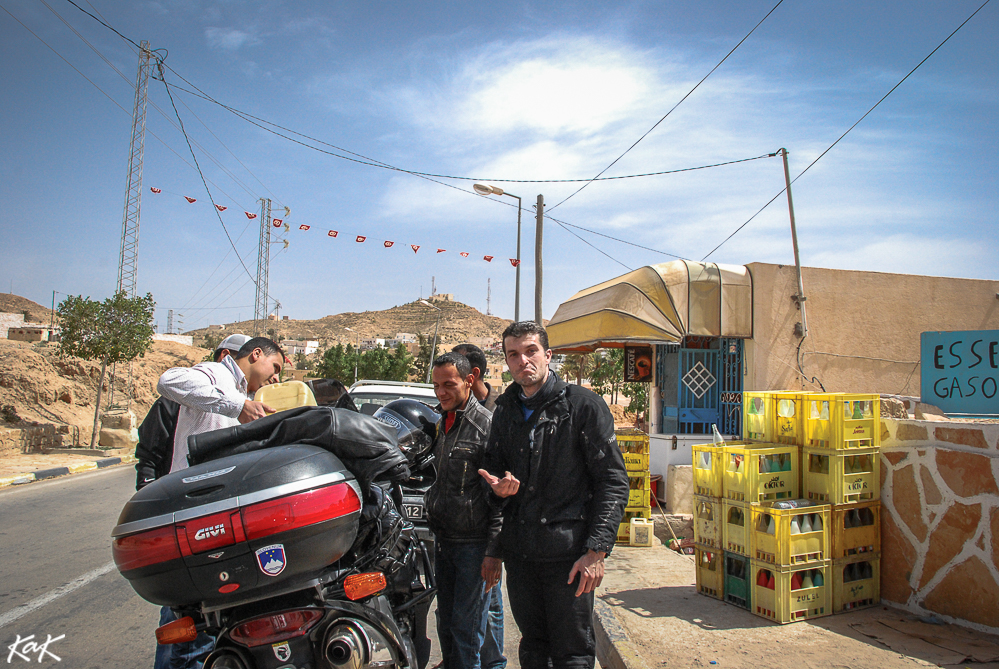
column 960, row 371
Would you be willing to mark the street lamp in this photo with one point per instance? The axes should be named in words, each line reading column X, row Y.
column 485, row 189
column 433, row 348
column 357, row 350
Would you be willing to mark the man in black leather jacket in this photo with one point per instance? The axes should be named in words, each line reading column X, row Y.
column 462, row 515
column 553, row 456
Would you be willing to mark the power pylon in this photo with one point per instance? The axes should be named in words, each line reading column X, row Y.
column 263, row 265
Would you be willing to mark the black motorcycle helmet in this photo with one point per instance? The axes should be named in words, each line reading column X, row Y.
column 415, row 424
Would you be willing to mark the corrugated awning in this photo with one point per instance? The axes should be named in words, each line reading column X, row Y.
column 656, row 304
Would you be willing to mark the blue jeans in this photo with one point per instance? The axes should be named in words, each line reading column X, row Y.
column 462, row 603
column 491, row 655
column 188, row 655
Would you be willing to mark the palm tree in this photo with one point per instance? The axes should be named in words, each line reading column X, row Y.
column 578, row 365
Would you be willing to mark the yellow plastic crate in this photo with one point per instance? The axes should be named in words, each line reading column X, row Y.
column 736, row 535
column 842, row 420
column 640, row 487
column 773, row 417
column 710, row 571
column 856, row 530
column 788, row 537
column 790, row 594
column 708, row 521
column 632, row 442
column 760, row 472
column 841, row 477
column 624, row 529
column 708, row 469
column 636, row 462
column 856, row 583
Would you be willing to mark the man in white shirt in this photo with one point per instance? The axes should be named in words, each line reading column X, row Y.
column 213, row 395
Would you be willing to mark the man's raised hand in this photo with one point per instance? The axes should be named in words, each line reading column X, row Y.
column 502, row 487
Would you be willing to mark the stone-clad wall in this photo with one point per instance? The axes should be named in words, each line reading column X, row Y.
column 940, row 518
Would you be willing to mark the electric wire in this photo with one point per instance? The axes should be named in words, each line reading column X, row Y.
column 829, row 148
column 689, row 93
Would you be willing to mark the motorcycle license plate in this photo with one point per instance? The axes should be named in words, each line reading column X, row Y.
column 413, row 511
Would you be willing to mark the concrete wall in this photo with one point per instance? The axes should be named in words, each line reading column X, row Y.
column 872, row 319
column 8, row 320
column 176, row 338
column 940, row 519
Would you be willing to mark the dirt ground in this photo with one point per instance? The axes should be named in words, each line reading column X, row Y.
column 652, row 594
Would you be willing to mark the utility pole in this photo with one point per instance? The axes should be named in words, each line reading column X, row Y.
column 263, row 265
column 538, row 317
column 169, row 321
column 800, row 297
column 489, row 296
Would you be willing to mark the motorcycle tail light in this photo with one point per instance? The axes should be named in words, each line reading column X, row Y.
column 178, row 631
column 359, row 586
column 145, row 548
column 276, row 627
column 294, row 511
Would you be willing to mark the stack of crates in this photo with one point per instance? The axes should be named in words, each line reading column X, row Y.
column 802, row 562
column 634, row 447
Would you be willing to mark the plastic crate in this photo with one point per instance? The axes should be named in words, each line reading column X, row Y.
column 708, row 469
column 636, row 462
column 710, row 573
column 855, row 530
column 640, row 487
column 841, row 477
column 760, row 472
column 788, row 537
column 633, row 442
column 790, row 594
column 773, row 417
column 738, row 582
column 842, row 420
column 624, row 529
column 856, row 583
column 708, row 521
column 736, row 533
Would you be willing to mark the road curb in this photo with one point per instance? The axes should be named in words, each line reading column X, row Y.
column 42, row 474
column 614, row 647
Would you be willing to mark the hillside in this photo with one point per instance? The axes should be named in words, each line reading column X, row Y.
column 459, row 322
column 15, row 304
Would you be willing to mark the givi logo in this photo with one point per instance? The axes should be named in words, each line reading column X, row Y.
column 206, row 532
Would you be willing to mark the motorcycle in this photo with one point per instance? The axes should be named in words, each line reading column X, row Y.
column 287, row 541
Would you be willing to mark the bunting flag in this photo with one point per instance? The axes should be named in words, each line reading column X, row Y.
column 190, row 199
column 360, row 239
column 249, row 215
column 156, row 190
column 415, row 247
column 440, row 250
column 220, row 207
column 388, row 244
column 514, row 262
column 332, row 233
column 464, row 254
column 487, row 258
column 304, row 227
column 277, row 222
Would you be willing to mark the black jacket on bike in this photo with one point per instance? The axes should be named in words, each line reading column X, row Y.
column 154, row 451
column 459, row 506
column 573, row 483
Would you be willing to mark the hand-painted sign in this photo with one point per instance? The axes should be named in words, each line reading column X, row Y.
column 638, row 363
column 960, row 371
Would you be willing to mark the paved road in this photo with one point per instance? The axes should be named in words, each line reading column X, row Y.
column 57, row 578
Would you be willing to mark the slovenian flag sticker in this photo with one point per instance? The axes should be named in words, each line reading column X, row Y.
column 271, row 559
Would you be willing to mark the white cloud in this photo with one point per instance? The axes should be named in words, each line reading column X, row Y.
column 230, row 39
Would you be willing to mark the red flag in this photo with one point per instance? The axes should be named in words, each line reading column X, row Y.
column 464, row 254
column 220, row 207
column 415, row 247
column 249, row 215
column 388, row 244
column 332, row 233
column 190, row 199
column 440, row 250
column 514, row 262
column 156, row 190
column 487, row 258
column 277, row 222
column 303, row 226
column 360, row 239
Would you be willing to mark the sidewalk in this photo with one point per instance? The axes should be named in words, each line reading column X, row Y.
column 26, row 468
column 649, row 615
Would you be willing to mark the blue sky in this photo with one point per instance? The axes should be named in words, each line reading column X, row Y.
column 543, row 91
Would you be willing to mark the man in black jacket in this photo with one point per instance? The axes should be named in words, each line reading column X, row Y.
column 462, row 515
column 553, row 457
